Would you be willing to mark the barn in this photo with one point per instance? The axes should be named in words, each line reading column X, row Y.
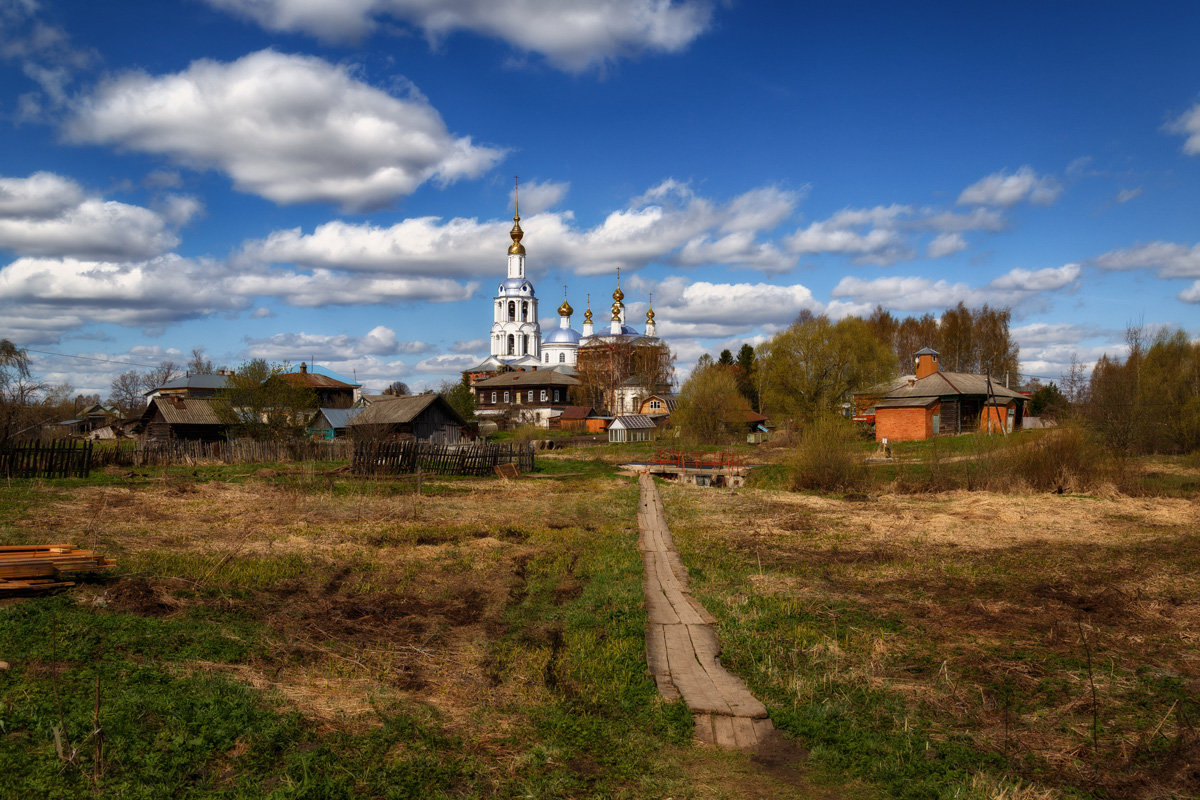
column 427, row 417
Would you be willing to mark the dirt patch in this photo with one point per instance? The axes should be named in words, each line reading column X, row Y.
column 140, row 596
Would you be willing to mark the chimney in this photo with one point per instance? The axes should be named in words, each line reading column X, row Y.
column 927, row 362
column 303, row 368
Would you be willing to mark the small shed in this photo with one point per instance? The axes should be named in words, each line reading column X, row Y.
column 631, row 428
column 573, row 418
column 330, row 423
column 427, row 417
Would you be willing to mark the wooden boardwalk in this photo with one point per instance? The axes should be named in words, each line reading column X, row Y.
column 682, row 646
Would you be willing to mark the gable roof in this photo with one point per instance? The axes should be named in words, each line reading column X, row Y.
column 183, row 411
column 538, row 377
column 315, row 380
column 633, row 422
column 941, row 384
column 577, row 412
column 670, row 400
column 336, row 417
column 402, row 410
column 210, row 381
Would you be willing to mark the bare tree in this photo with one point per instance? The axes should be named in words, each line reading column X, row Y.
column 161, row 374
column 199, row 363
column 397, row 389
column 127, row 394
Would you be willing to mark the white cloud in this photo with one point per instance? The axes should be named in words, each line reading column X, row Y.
column 446, row 364
column 571, row 34
column 379, row 341
column 946, row 244
column 1191, row 294
column 1125, row 195
column 704, row 309
column 43, row 195
column 1188, row 126
column 325, row 288
column 868, row 234
column 1168, row 259
column 977, row 219
column 1007, row 189
column 537, row 196
column 1051, row 333
column 290, row 128
column 915, row 293
column 668, row 223
column 45, row 54
column 470, row 346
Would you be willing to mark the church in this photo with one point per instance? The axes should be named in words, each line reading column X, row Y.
column 528, row 378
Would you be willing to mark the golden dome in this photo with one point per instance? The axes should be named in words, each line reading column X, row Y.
column 618, row 295
column 650, row 315
column 616, row 312
column 565, row 309
column 516, row 248
column 587, row 316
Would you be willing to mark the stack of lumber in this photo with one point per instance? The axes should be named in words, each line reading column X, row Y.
column 39, row 567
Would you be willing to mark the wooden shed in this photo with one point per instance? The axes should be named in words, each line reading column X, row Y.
column 427, row 417
column 192, row 418
column 631, row 428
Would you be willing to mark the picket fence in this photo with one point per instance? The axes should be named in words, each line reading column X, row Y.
column 377, row 457
column 234, row 451
column 52, row 459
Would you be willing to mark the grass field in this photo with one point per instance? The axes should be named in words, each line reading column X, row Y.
column 291, row 632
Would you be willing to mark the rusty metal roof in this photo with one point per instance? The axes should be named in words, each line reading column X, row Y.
column 577, row 412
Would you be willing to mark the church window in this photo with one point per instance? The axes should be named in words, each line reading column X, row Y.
column 512, row 345
column 544, row 397
column 524, row 312
column 562, row 357
column 512, row 311
column 526, row 342
column 546, row 357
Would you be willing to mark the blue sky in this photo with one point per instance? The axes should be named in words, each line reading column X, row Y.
column 332, row 179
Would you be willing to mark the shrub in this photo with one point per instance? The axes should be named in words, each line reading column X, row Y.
column 827, row 458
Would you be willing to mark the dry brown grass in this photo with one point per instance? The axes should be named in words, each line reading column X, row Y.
column 995, row 596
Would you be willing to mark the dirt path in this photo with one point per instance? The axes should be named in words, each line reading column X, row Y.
column 682, row 647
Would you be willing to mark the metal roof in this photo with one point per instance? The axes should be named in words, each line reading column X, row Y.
column 337, row 417
column 537, row 377
column 941, row 384
column 633, row 422
column 212, row 381
column 577, row 412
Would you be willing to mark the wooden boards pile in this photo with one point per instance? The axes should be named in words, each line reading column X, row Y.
column 41, row 567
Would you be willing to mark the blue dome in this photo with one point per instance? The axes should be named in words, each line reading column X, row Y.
column 516, row 286
column 562, row 336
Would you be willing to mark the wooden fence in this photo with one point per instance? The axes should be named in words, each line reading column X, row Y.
column 235, row 451
column 54, row 459
column 374, row 457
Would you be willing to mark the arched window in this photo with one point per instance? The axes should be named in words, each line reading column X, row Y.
column 512, row 310
column 544, row 398
column 512, row 345
column 524, row 312
column 562, row 357
column 493, row 397
column 506, row 397
column 526, row 343
column 546, row 357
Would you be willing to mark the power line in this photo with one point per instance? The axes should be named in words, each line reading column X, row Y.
column 90, row 358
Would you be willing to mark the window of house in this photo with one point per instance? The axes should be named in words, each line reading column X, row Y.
column 556, row 395
column 544, row 395
column 655, row 404
column 506, row 397
column 530, row 397
column 493, row 397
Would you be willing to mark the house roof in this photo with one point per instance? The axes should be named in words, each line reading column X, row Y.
column 212, row 381
column 577, row 412
column 401, row 410
column 315, row 380
column 337, row 417
column 906, row 402
column 539, row 377
column 633, row 422
column 940, row 384
column 183, row 411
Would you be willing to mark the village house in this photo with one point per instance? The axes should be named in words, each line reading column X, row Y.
column 175, row 417
column 330, row 392
column 935, row 403
column 425, row 417
column 525, row 396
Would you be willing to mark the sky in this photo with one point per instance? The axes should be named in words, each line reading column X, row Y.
column 332, row 180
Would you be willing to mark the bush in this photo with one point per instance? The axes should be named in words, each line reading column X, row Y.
column 1061, row 459
column 827, row 458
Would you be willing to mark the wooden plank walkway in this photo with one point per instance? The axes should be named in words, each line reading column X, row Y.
column 682, row 646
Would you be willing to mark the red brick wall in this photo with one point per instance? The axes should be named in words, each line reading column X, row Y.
column 904, row 424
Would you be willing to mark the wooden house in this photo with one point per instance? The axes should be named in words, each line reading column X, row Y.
column 330, row 392
column 935, row 403
column 172, row 418
column 523, row 395
column 657, row 405
column 573, row 418
column 329, row 423
column 426, row 417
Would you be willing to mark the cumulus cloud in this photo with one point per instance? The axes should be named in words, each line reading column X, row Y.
column 325, row 288
column 571, row 34
column 946, row 244
column 1191, row 294
column 915, row 293
column 290, row 128
column 537, row 196
column 1188, row 126
column 669, row 223
column 1168, row 259
column 445, row 364
column 379, row 341
column 470, row 346
column 704, row 309
column 49, row 215
column 44, row 53
column 1007, row 189
column 1125, row 195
